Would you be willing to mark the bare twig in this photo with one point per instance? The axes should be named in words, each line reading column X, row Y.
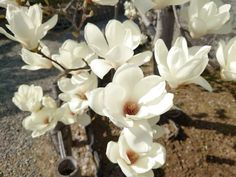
column 54, row 61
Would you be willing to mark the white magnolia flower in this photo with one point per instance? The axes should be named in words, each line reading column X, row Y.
column 26, row 25
column 28, row 98
column 68, row 117
column 133, row 163
column 206, row 17
column 106, row 2
column 140, row 136
column 72, row 53
column 144, row 6
column 36, row 61
column 226, row 56
column 75, row 90
column 116, row 47
column 181, row 65
column 131, row 97
column 43, row 120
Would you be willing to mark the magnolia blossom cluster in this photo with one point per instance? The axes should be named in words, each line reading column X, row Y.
column 208, row 17
column 131, row 101
column 44, row 111
column 203, row 16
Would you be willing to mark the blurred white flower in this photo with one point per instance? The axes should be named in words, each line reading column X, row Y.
column 26, row 25
column 131, row 97
column 116, row 47
column 226, row 56
column 130, row 10
column 72, row 53
column 133, row 163
column 28, row 98
column 144, row 6
column 4, row 3
column 44, row 119
column 36, row 61
column 75, row 90
column 208, row 17
column 181, row 65
column 106, row 2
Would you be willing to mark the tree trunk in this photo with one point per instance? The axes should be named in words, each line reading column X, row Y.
column 164, row 29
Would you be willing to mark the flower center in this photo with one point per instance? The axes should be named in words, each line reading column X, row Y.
column 131, row 108
column 133, row 157
column 82, row 96
column 46, row 120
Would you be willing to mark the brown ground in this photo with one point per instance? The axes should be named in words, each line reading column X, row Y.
column 206, row 145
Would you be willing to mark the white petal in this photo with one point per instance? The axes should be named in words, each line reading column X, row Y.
column 162, row 105
column 139, row 137
column 96, row 100
column 84, row 119
column 158, row 131
column 34, row 60
column 203, row 83
column 147, row 174
column 175, row 59
column 115, row 96
column 141, row 58
column 112, row 151
column 115, row 33
column 158, row 154
column 125, row 168
column 95, row 39
column 48, row 25
column 49, row 102
column 127, row 76
column 149, row 88
column 2, row 31
column 161, row 52
column 119, row 55
column 100, row 67
column 143, row 165
column 129, row 25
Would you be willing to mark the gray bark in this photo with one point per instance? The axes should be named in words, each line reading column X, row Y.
column 164, row 29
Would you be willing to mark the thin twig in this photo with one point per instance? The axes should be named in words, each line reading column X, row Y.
column 54, row 61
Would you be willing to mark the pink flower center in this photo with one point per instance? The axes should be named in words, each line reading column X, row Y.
column 133, row 157
column 131, row 108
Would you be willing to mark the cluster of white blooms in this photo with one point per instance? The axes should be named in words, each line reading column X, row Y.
column 208, row 17
column 131, row 101
column 44, row 111
column 130, row 10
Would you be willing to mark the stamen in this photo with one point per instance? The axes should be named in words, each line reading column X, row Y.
column 82, row 96
column 131, row 108
column 133, row 157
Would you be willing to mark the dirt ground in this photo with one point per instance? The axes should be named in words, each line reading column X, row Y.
column 204, row 147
